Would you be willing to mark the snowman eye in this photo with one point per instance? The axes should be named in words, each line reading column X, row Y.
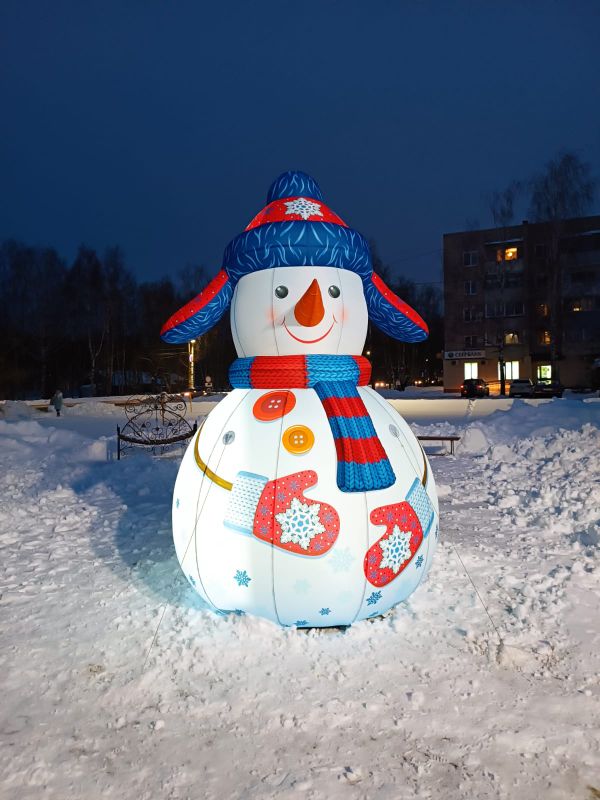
column 334, row 291
column 281, row 292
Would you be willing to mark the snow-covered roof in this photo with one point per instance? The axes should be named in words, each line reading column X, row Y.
column 504, row 241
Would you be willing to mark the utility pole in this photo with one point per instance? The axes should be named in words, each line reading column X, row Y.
column 502, row 366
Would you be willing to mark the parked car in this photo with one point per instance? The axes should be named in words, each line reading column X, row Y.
column 474, row 387
column 521, row 387
column 548, row 389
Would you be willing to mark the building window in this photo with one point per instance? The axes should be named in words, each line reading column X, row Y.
column 544, row 337
column 494, row 310
column 471, row 341
column 511, row 370
column 544, row 372
column 581, row 304
column 515, row 309
column 507, row 254
column 577, row 335
column 542, row 309
column 469, row 314
column 471, row 369
column 511, row 337
column 470, row 258
column 470, row 287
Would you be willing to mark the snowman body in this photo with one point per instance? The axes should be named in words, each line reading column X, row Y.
column 260, row 524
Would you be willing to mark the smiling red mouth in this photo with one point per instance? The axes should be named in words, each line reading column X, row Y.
column 309, row 341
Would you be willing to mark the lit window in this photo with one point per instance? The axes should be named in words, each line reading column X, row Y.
column 471, row 369
column 581, row 304
column 544, row 372
column 543, row 310
column 507, row 254
column 544, row 337
column 512, row 337
column 511, row 370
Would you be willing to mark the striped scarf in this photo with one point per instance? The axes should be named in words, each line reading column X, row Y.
column 362, row 463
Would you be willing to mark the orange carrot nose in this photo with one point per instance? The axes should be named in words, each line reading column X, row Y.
column 309, row 310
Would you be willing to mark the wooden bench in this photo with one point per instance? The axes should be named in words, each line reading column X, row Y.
column 449, row 437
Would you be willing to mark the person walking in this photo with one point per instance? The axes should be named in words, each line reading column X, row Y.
column 57, row 401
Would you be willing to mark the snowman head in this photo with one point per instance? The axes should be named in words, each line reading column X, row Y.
column 298, row 280
column 297, row 310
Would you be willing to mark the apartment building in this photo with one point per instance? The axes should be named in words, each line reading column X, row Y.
column 527, row 296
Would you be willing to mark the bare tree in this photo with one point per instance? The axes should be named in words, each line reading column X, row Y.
column 565, row 189
column 502, row 204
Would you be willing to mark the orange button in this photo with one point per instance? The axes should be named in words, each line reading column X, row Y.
column 274, row 405
column 298, row 439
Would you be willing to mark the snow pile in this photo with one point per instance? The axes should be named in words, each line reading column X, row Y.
column 96, row 408
column 117, row 682
column 16, row 409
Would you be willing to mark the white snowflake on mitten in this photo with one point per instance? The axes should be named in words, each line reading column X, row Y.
column 303, row 207
column 396, row 549
column 300, row 523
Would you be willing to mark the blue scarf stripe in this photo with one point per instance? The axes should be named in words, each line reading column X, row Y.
column 352, row 427
column 323, row 368
column 354, row 477
column 239, row 372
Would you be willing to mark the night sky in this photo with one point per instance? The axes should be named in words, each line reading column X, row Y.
column 159, row 126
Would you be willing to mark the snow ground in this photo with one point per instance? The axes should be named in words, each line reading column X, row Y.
column 440, row 698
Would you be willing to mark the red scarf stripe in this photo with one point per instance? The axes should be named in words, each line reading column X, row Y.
column 278, row 372
column 344, row 407
column 361, row 451
column 364, row 366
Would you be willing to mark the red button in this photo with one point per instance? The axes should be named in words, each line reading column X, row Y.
column 274, row 405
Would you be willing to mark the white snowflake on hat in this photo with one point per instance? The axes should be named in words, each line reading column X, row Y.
column 303, row 207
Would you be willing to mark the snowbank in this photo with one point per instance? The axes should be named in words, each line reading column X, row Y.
column 117, row 682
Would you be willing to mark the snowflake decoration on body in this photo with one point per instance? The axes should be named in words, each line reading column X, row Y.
column 419, row 561
column 242, row 577
column 373, row 598
column 341, row 560
column 303, row 207
column 395, row 549
column 324, row 612
column 300, row 523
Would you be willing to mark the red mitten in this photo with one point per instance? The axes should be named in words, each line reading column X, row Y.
column 287, row 519
column 394, row 551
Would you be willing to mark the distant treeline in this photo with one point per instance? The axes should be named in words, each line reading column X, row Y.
column 91, row 328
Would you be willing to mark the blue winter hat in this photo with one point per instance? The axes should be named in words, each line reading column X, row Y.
column 295, row 228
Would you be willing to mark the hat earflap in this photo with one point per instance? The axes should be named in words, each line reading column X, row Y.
column 391, row 314
column 200, row 314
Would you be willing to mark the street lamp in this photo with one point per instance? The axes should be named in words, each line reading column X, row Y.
column 191, row 378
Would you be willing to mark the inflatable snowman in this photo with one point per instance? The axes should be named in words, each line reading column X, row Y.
column 304, row 497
